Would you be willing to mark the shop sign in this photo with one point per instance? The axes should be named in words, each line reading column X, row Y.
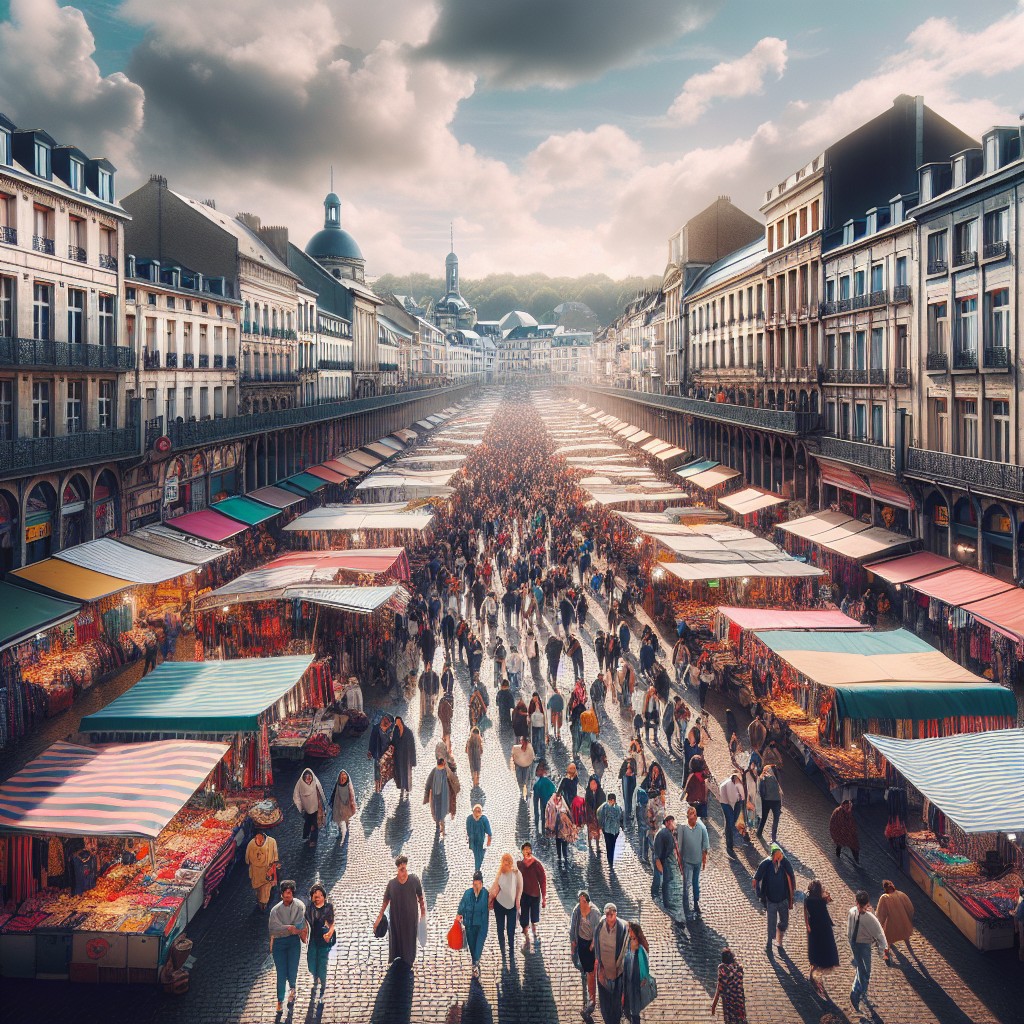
column 170, row 490
column 1001, row 524
column 37, row 532
column 941, row 515
column 713, row 584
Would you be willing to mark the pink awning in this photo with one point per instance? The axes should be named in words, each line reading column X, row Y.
column 911, row 567
column 390, row 561
column 959, row 586
column 771, row 618
column 843, row 478
column 208, row 524
column 1003, row 612
column 342, row 468
column 330, row 475
column 890, row 493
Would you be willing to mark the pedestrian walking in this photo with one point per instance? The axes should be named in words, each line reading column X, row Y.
column 263, row 861
column 730, row 796
column 730, row 990
column 692, row 846
column 445, row 713
column 474, row 917
column 842, row 827
column 822, row 954
column 609, row 954
column 863, row 930
column 556, row 708
column 440, row 792
column 652, row 713
column 774, row 884
column 404, row 896
column 610, row 818
column 895, row 914
column 321, row 934
column 538, row 722
column 664, row 854
column 404, row 746
column 522, row 759
column 559, row 824
column 380, row 751
column 628, row 780
column 308, row 797
column 478, row 835
column 543, row 791
column 520, row 720
column 583, row 927
column 680, row 660
column 637, row 988
column 593, row 797
column 475, row 753
column 287, row 927
column 514, row 668
column 707, row 677
column 535, row 894
column 771, row 802
column 343, row 804
column 505, row 895
column 668, row 723
column 695, row 790
column 553, row 653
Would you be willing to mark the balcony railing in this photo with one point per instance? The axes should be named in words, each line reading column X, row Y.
column 150, row 360
column 218, row 362
column 997, row 358
column 995, row 250
column 8, row 235
column 204, row 361
column 347, row 364
column 32, row 352
column 280, row 377
column 871, row 456
column 188, row 360
column 108, row 262
column 172, row 360
column 187, row 434
column 76, row 253
column 962, row 471
column 937, row 362
column 901, row 293
column 232, row 363
column 967, row 258
column 387, row 367
column 901, row 377
column 154, row 429
column 965, row 359
column 938, row 267
column 829, row 308
column 42, row 244
column 848, row 376
column 779, row 420
column 43, row 454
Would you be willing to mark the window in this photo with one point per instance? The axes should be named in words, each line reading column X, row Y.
column 844, row 287
column 6, row 410
column 42, row 229
column 172, row 407
column 106, row 186
column 76, row 239
column 76, row 316
column 42, row 166
column 42, row 311
column 814, row 215
column 965, row 238
column 967, row 416
column 5, row 147
column 73, row 423
column 7, row 285
column 129, row 294
column 41, row 408
column 878, row 424
column 830, row 290
column 860, row 351
column 830, row 417
column 151, row 298
column 999, row 319
column 859, row 280
column 170, row 302
column 188, row 404
column 792, row 227
column 76, row 175
column 830, row 352
column 106, row 323
column 902, row 347
column 997, row 226
column 803, row 221
column 105, row 405
column 999, row 431
column 8, row 227
column 937, row 262
column 877, row 277
column 860, row 422
column 877, row 348
column 967, row 324
column 204, row 403
column 108, row 249
column 901, row 271
column 938, row 422
column 938, row 327
column 188, row 305
column 844, row 351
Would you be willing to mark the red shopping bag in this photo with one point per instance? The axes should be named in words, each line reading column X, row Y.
column 455, row 937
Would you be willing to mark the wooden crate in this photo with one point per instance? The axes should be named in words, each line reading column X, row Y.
column 143, row 976
column 113, row 975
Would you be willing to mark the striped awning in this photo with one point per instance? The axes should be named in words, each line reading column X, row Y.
column 975, row 779
column 181, row 547
column 191, row 698
column 127, row 563
column 121, row 789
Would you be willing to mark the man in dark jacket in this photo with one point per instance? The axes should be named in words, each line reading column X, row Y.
column 664, row 858
column 774, row 884
column 553, row 651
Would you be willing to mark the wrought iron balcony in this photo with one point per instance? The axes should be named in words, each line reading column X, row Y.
column 76, row 253
column 961, row 471
column 154, row 429
column 901, row 377
column 232, row 362
column 901, row 293
column 387, row 367
column 41, row 244
column 347, row 364
column 44, row 454
column 188, row 360
column 8, row 235
column 965, row 359
column 108, row 262
column 850, row 376
column 204, row 361
column 937, row 362
column 218, row 362
column 996, row 358
column 938, row 267
column 967, row 258
column 150, row 360
column 880, row 458
column 829, row 308
column 32, row 352
column 281, row 377
column 172, row 360
column 330, row 364
column 995, row 250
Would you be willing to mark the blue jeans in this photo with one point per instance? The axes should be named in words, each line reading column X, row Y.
column 523, row 776
column 646, row 841
column 628, row 789
column 476, row 935
column 513, row 682
column 778, row 917
column 286, row 959
column 659, row 885
column 316, row 960
column 691, row 883
column 862, row 961
column 730, row 825
column 537, row 739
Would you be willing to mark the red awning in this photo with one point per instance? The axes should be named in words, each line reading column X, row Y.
column 890, row 493
column 837, row 476
column 329, row 475
column 391, row 561
column 911, row 567
column 1004, row 612
column 341, row 467
column 959, row 586
column 208, row 524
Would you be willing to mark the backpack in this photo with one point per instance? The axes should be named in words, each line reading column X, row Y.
column 589, row 723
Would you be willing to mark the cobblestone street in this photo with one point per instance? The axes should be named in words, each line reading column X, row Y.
column 945, row 980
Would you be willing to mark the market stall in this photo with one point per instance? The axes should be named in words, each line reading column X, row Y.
column 379, row 525
column 954, row 827
column 109, row 852
column 754, row 509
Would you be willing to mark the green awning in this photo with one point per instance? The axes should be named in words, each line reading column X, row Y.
column 696, row 467
column 304, row 483
column 190, row 698
column 245, row 510
column 27, row 612
column 893, row 641
column 924, row 701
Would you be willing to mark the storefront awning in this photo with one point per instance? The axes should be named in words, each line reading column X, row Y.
column 245, row 510
column 654, row 446
column 122, row 789
column 109, row 557
column 772, row 619
column 1003, row 612
column 26, row 612
column 331, row 476
column 71, row 580
column 406, row 434
column 359, row 600
column 207, row 524
column 959, row 586
column 911, row 567
column 809, row 527
column 750, row 500
column 695, row 467
column 304, row 483
column 925, row 702
column 380, row 449
column 637, row 436
column 391, row 443
column 360, row 517
column 196, row 697
column 846, row 536
column 361, row 458
column 626, row 428
column 869, row 645
column 712, row 477
column 180, row 547
column 378, row 561
column 962, row 774
column 887, row 492
column 276, row 497
column 843, row 478
column 341, row 468
column 424, row 424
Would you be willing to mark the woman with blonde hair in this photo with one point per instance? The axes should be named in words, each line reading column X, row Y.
column 504, row 895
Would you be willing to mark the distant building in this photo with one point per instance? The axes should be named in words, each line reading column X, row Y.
column 452, row 312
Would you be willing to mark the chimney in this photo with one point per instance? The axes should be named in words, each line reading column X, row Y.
column 276, row 239
column 250, row 220
column 211, row 203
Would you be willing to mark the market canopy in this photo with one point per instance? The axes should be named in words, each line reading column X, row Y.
column 749, row 500
column 361, row 517
column 670, row 453
column 120, row 789
column 945, row 769
column 128, row 563
column 425, row 424
column 193, row 697
column 208, row 524
column 655, row 445
column 406, row 434
column 27, row 612
column 378, row 561
column 304, row 483
column 1003, row 612
column 809, row 527
column 712, row 477
column 361, row 600
column 265, row 584
column 72, row 580
column 844, row 535
column 180, row 547
column 381, row 449
column 871, row 644
column 325, row 473
column 614, row 496
column 245, row 510
column 959, row 586
column 340, row 468
column 926, row 702
column 773, row 618
column 693, row 468
column 277, row 497
column 910, row 567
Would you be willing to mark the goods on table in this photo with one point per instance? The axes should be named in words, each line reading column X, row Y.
column 266, row 814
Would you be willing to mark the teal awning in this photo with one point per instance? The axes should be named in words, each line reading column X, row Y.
column 920, row 702
column 895, row 641
column 304, row 483
column 188, row 698
column 694, row 468
column 23, row 613
column 245, row 510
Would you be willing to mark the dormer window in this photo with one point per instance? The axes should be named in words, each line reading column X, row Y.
column 76, row 175
column 105, row 182
column 42, row 168
column 5, row 148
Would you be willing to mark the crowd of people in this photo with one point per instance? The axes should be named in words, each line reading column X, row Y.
column 517, row 554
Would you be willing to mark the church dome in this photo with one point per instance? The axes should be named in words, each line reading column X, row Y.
column 332, row 241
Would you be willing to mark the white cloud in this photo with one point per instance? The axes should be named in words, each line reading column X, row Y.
column 731, row 79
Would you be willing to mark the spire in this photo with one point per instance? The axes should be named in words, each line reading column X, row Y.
column 332, row 177
column 451, row 228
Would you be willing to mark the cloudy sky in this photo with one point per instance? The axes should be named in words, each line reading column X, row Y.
column 563, row 136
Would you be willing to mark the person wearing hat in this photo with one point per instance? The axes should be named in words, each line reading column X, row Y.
column 609, row 954
column 474, row 916
column 774, row 884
